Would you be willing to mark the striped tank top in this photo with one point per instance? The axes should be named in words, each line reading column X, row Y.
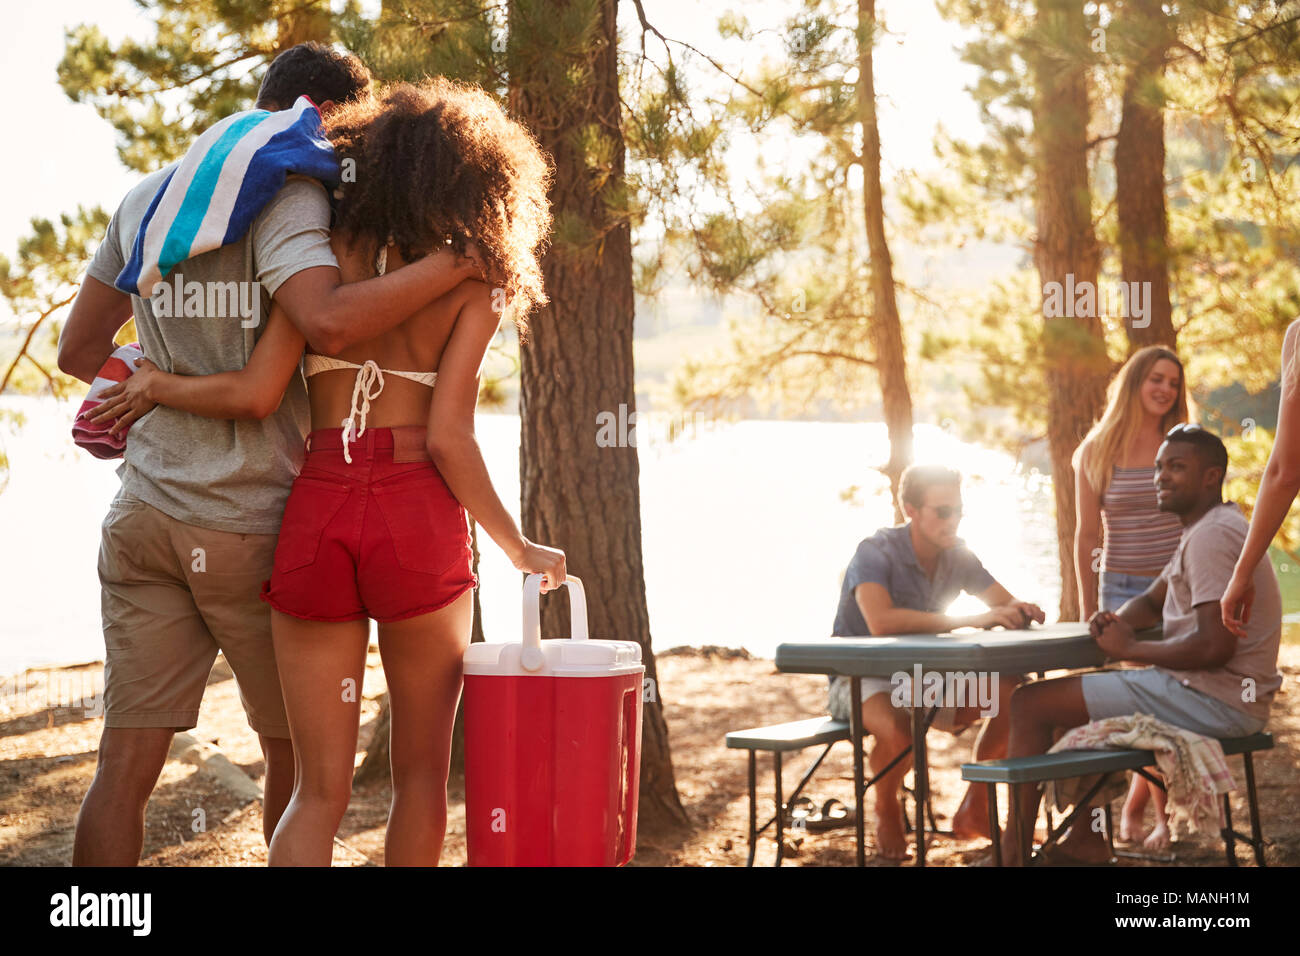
column 1138, row 536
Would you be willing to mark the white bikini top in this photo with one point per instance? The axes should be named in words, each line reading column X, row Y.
column 313, row 363
column 369, row 374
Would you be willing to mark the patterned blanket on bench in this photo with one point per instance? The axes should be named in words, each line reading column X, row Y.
column 1194, row 767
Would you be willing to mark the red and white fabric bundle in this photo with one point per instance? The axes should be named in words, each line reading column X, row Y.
column 94, row 436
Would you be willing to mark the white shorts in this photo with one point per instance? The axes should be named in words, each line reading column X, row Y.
column 945, row 718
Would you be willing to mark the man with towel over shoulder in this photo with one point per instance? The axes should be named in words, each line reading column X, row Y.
column 241, row 220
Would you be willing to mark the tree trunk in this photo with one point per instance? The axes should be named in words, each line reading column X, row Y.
column 1066, row 252
column 375, row 766
column 886, row 329
column 578, row 494
column 1140, row 182
column 304, row 23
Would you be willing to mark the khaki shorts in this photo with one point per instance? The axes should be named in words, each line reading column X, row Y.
column 172, row 595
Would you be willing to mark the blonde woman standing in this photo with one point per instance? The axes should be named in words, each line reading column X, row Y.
column 1118, row 518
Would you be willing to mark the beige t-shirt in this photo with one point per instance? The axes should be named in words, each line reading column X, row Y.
column 1199, row 572
column 221, row 474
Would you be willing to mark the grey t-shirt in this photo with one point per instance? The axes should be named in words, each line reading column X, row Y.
column 1198, row 573
column 221, row 474
column 887, row 558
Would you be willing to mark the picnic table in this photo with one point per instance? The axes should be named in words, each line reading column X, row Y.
column 1011, row 652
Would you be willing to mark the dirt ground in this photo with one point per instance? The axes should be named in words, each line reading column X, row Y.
column 47, row 759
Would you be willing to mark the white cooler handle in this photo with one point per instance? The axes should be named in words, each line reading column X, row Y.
column 532, row 658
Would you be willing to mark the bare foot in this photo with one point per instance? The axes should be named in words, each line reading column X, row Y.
column 1158, row 838
column 891, row 835
column 1135, row 805
column 1130, row 825
column 971, row 821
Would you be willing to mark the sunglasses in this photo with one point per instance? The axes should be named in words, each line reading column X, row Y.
column 944, row 512
column 1186, row 428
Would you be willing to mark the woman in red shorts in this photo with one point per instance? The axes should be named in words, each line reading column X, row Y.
column 375, row 523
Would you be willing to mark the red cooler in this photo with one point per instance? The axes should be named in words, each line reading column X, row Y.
column 552, row 745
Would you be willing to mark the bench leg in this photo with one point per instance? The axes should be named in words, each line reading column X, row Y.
column 920, row 777
column 859, row 781
column 780, row 809
column 1229, row 845
column 1256, row 836
column 753, row 807
column 994, row 829
column 1018, row 822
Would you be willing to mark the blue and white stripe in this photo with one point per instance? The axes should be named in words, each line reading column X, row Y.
column 225, row 179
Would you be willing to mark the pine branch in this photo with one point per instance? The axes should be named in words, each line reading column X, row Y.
column 22, row 351
column 831, row 354
column 647, row 27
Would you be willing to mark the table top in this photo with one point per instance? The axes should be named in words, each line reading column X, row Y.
column 1066, row 644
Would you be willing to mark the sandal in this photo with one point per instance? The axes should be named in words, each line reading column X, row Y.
column 800, row 808
column 833, row 815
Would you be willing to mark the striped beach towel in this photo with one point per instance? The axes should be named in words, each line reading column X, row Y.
column 94, row 436
column 225, row 179
column 1195, row 770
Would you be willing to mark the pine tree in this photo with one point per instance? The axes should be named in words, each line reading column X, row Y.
column 580, row 492
column 1066, row 254
column 816, row 258
column 1145, row 33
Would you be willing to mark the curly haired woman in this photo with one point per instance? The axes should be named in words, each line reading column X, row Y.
column 375, row 523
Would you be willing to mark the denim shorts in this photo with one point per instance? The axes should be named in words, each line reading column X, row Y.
column 1151, row 690
column 1116, row 588
column 380, row 537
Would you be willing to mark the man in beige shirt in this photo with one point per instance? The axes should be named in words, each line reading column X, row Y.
column 1203, row 678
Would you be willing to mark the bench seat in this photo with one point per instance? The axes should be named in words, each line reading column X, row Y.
column 1086, row 763
column 1083, row 763
column 780, row 739
column 794, row 735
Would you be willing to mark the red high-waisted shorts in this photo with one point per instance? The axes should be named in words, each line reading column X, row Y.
column 382, row 537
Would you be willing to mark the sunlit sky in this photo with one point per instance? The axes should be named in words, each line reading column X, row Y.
column 60, row 154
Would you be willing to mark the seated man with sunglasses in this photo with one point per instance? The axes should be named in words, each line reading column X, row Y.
column 1202, row 677
column 901, row 581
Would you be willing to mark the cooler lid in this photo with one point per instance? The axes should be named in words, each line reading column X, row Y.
column 579, row 656
column 560, row 658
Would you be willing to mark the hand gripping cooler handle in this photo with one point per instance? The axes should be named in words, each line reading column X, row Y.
column 532, row 658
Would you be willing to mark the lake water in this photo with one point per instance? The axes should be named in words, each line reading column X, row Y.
column 747, row 528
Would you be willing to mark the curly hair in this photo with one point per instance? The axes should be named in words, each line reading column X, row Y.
column 440, row 163
column 314, row 70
